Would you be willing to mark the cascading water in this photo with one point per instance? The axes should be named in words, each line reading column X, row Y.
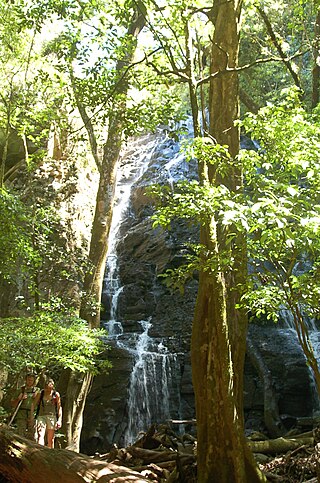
column 150, row 329
column 130, row 172
column 154, row 380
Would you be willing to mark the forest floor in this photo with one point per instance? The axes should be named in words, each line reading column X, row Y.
column 160, row 456
column 298, row 466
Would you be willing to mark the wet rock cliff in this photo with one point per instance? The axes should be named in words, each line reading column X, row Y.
column 150, row 380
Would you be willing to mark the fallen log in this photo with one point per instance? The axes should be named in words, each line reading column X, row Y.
column 308, row 421
column 24, row 461
column 152, row 456
column 279, row 445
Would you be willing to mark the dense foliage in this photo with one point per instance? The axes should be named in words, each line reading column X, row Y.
column 51, row 341
column 283, row 189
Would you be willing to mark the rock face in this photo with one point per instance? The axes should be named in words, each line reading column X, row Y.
column 151, row 376
column 292, row 381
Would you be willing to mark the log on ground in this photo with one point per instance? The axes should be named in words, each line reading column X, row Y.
column 279, row 445
column 24, row 461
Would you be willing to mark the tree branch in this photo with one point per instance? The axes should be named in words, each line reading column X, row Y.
column 277, row 45
column 248, row 101
column 179, row 72
column 86, row 121
column 247, row 66
column 115, row 87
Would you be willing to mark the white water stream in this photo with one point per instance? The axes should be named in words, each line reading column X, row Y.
column 128, row 174
column 150, row 385
column 152, row 381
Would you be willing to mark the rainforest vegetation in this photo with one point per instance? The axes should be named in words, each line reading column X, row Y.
column 78, row 79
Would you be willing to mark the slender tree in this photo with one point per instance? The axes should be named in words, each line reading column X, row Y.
column 78, row 385
column 316, row 65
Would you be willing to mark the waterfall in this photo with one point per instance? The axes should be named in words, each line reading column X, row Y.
column 286, row 319
column 175, row 161
column 135, row 165
column 151, row 384
column 154, row 380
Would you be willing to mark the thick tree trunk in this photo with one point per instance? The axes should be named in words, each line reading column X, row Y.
column 23, row 461
column 219, row 429
column 219, row 328
column 74, row 390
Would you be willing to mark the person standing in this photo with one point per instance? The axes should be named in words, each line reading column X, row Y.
column 24, row 420
column 48, row 413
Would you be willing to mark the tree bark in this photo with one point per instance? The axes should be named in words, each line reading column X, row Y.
column 75, row 387
column 23, row 461
column 219, row 329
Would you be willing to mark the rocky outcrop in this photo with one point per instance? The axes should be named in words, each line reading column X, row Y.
column 292, row 381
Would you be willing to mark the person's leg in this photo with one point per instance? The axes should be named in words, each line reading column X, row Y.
column 50, row 438
column 31, row 430
column 41, row 431
column 51, row 426
column 21, row 425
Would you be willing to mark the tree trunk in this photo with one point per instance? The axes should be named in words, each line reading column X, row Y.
column 75, row 388
column 316, row 62
column 190, row 68
column 23, row 461
column 4, row 153
column 219, row 329
column 77, row 385
column 90, row 305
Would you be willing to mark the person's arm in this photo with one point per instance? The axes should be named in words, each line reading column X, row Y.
column 59, row 411
column 15, row 402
